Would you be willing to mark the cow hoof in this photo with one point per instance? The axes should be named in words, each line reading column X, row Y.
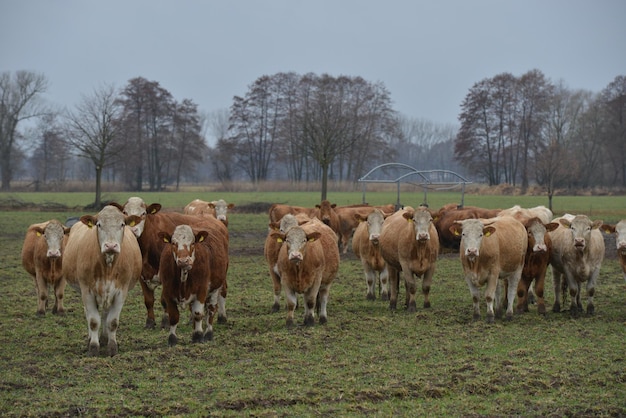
column 112, row 348
column 490, row 319
column 309, row 321
column 427, row 304
column 221, row 319
column 60, row 313
column 392, row 306
column 172, row 340
column 541, row 308
column 275, row 307
column 384, row 296
column 509, row 317
column 165, row 322
column 197, row 337
column 208, row 336
column 590, row 309
column 411, row 307
column 41, row 313
column 476, row 317
column 556, row 308
column 574, row 313
column 289, row 322
column 150, row 324
column 323, row 320
column 370, row 296
column 93, row 349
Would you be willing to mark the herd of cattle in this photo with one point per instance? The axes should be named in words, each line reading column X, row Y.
column 504, row 250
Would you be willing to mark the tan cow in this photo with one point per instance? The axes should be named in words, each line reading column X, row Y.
column 216, row 208
column 410, row 244
column 42, row 258
column 325, row 212
column 278, row 210
column 520, row 213
column 492, row 250
column 103, row 259
column 348, row 222
column 577, row 255
column 620, row 241
column 448, row 214
column 366, row 246
column 308, row 262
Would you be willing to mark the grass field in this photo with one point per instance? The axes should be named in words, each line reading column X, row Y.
column 366, row 360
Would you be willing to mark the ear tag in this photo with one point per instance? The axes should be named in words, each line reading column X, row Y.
column 131, row 224
column 311, row 239
column 201, row 239
column 152, row 212
column 279, row 240
column 165, row 239
column 38, row 233
column 456, row 233
column 90, row 224
column 488, row 234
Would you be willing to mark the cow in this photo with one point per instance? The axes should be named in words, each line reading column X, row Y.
column 103, row 259
column 410, row 244
column 216, row 208
column 366, row 246
column 325, row 212
column 42, row 258
column 536, row 261
column 543, row 213
column 278, row 210
column 577, row 255
column 153, row 221
column 308, row 262
column 620, row 240
column 448, row 214
column 348, row 222
column 192, row 269
column 492, row 250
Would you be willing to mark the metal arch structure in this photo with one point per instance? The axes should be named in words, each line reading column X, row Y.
column 427, row 180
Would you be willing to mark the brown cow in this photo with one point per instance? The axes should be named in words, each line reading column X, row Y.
column 102, row 257
column 192, row 269
column 577, row 255
column 348, row 222
column 538, row 253
column 446, row 216
column 325, row 212
column 152, row 222
column 492, row 250
column 308, row 262
column 366, row 246
column 42, row 258
column 620, row 241
column 278, row 210
column 216, row 208
column 409, row 243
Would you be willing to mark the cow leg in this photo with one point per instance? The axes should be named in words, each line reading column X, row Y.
column 475, row 292
column 394, row 281
column 591, row 284
column 59, row 292
column 174, row 316
column 197, row 313
column 148, row 300
column 112, row 319
column 556, row 279
column 292, row 300
column 426, row 282
column 411, row 288
column 539, row 289
column 42, row 293
column 384, row 284
column 511, row 289
column 370, row 281
column 93, row 321
column 322, row 302
column 221, row 304
column 490, row 295
column 522, row 294
column 277, row 288
column 310, row 298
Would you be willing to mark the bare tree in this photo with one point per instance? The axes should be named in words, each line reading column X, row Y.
column 51, row 155
column 613, row 99
column 187, row 145
column 19, row 100
column 93, row 130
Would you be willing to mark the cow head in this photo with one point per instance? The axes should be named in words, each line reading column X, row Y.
column 325, row 208
column 136, row 206
column 110, row 224
column 537, row 238
column 296, row 240
column 472, row 232
column 375, row 222
column 54, row 233
column 421, row 219
column 183, row 247
column 220, row 207
column 620, row 230
column 580, row 227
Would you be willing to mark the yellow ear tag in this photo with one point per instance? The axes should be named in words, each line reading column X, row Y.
column 311, row 239
column 456, row 233
column 201, row 239
column 90, row 224
column 38, row 233
column 279, row 240
column 131, row 224
column 488, row 234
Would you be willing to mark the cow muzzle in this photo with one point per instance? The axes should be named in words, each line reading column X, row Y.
column 540, row 248
column 53, row 254
column 111, row 248
column 295, row 257
column 185, row 263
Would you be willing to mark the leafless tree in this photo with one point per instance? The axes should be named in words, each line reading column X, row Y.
column 51, row 155
column 613, row 101
column 20, row 99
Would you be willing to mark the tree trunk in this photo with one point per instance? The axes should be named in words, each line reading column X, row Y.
column 324, row 180
column 98, row 186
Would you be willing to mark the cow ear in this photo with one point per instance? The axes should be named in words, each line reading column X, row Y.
column 88, row 220
column 117, row 205
column 608, row 229
column 551, row 226
column 164, row 236
column 565, row 223
column 315, row 235
column 275, row 226
column 132, row 220
column 278, row 236
column 66, row 230
column 488, row 230
column 211, row 205
column 38, row 231
column 455, row 230
column 408, row 215
column 153, row 208
column 596, row 224
column 201, row 236
column 231, row 205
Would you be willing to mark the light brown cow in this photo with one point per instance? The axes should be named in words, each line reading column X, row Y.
column 216, row 208
column 103, row 259
column 152, row 221
column 278, row 210
column 538, row 253
column 348, row 221
column 308, row 262
column 42, row 258
column 325, row 212
column 620, row 241
column 193, row 269
column 492, row 250
column 410, row 244
column 448, row 214
column 543, row 213
column 366, row 246
column 577, row 255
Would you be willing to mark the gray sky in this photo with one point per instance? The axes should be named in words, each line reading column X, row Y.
column 427, row 53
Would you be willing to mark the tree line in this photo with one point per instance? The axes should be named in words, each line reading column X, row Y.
column 301, row 128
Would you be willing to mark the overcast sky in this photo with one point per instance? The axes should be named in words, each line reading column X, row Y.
column 427, row 53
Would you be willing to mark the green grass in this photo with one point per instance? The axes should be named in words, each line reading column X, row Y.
column 366, row 361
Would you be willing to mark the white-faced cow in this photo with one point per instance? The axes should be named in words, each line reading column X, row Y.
column 410, row 244
column 492, row 250
column 307, row 264
column 42, row 258
column 577, row 255
column 216, row 208
column 348, row 222
column 366, row 246
column 620, row 241
column 192, row 269
column 103, row 259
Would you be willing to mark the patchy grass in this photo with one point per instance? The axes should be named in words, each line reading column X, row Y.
column 366, row 361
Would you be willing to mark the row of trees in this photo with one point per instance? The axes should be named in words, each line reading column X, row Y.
column 516, row 130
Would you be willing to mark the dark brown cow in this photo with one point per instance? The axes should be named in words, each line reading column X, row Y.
column 348, row 221
column 192, row 269
column 446, row 216
column 42, row 258
column 536, row 263
column 152, row 222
